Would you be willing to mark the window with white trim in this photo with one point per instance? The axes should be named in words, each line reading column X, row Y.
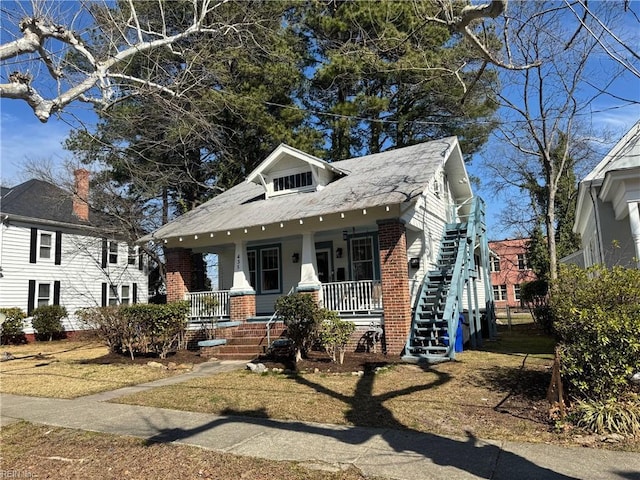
column 294, row 181
column 362, row 258
column 499, row 292
column 495, row 264
column 523, row 263
column 265, row 269
column 125, row 295
column 44, row 295
column 113, row 252
column 270, row 270
column 45, row 245
column 133, row 255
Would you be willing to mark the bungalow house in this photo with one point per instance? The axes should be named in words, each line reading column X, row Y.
column 53, row 253
column 394, row 242
column 608, row 208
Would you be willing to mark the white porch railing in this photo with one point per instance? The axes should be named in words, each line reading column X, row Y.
column 345, row 297
column 209, row 304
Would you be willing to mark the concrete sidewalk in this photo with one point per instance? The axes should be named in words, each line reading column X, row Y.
column 388, row 453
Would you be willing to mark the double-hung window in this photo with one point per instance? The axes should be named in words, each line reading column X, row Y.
column 523, row 264
column 495, row 264
column 362, row 255
column 499, row 292
column 265, row 269
column 46, row 245
column 516, row 292
column 133, row 255
column 113, row 252
column 44, row 295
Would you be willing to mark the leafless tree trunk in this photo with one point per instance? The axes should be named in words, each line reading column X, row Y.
column 543, row 111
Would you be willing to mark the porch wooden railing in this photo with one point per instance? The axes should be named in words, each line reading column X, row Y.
column 346, row 297
column 209, row 304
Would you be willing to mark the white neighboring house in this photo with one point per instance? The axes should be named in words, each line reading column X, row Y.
column 53, row 253
column 608, row 209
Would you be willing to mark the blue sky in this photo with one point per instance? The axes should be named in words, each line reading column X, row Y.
column 24, row 139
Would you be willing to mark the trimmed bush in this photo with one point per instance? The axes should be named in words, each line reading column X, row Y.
column 302, row 317
column 139, row 328
column 335, row 334
column 12, row 327
column 160, row 327
column 47, row 321
column 597, row 317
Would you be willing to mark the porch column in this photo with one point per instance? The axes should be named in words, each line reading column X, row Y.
column 309, row 281
column 634, row 221
column 394, row 273
column 242, row 296
column 179, row 273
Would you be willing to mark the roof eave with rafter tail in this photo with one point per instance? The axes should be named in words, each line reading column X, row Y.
column 393, row 177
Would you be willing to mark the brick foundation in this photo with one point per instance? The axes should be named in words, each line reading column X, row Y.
column 242, row 307
column 179, row 273
column 395, row 285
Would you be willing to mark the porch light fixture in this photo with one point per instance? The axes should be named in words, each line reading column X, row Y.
column 338, row 252
column 281, row 225
column 211, row 234
column 414, row 262
column 301, row 221
column 263, row 228
column 364, row 211
column 180, row 239
column 321, row 219
column 195, row 237
column 295, row 258
column 228, row 232
column 342, row 215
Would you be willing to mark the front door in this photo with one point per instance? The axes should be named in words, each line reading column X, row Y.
column 323, row 262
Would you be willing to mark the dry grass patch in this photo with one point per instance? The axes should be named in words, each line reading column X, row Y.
column 60, row 370
column 489, row 394
column 30, row 451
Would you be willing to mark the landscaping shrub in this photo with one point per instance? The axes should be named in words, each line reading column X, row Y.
column 302, row 317
column 335, row 334
column 160, row 327
column 107, row 323
column 535, row 295
column 597, row 317
column 12, row 327
column 614, row 416
column 47, row 321
column 139, row 328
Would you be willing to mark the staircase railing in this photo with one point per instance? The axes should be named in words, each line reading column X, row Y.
column 460, row 271
column 273, row 319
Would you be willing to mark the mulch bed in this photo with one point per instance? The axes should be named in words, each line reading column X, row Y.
column 317, row 361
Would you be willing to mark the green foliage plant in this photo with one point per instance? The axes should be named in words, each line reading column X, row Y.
column 107, row 323
column 12, row 326
column 609, row 416
column 535, row 295
column 160, row 327
column 139, row 328
column 597, row 318
column 302, row 317
column 335, row 334
column 47, row 321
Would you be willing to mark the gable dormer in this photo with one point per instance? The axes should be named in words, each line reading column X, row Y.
column 288, row 170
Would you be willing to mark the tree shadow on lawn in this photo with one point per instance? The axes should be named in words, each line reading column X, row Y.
column 367, row 410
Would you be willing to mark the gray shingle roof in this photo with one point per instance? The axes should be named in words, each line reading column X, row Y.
column 388, row 178
column 40, row 200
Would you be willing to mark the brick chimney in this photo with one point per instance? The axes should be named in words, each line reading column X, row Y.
column 81, row 194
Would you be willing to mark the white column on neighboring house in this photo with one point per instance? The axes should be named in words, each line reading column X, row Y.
column 241, row 270
column 634, row 220
column 308, row 270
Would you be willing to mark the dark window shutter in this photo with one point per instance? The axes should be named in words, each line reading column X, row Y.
column 135, row 293
column 56, row 292
column 104, row 295
column 104, row 253
column 31, row 301
column 33, row 247
column 58, row 257
column 140, row 259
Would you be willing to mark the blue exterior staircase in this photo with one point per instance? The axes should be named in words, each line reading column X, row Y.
column 438, row 305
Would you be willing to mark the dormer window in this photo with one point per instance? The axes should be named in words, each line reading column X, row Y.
column 296, row 181
column 288, row 170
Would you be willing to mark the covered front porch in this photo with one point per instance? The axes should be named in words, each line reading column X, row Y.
column 361, row 272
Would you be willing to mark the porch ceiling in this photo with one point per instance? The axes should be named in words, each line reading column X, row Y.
column 383, row 179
